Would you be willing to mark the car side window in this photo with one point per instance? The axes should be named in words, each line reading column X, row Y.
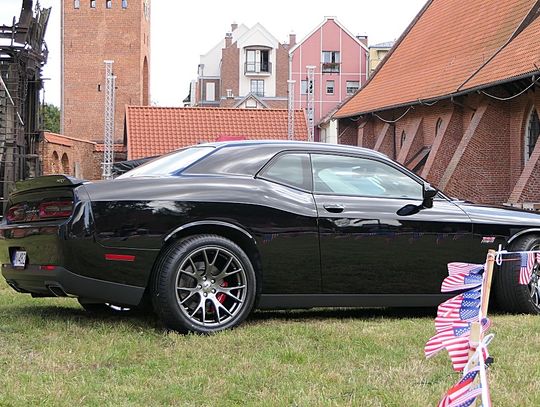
column 292, row 169
column 343, row 175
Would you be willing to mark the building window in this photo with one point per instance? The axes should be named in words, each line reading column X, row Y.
column 438, row 127
column 76, row 3
column 124, row 3
column 210, row 95
column 257, row 87
column 92, row 3
column 352, row 87
column 108, row 3
column 304, row 87
column 251, row 104
column 330, row 61
column 532, row 133
column 257, row 60
column 329, row 87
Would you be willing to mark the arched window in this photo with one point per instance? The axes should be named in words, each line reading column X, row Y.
column 438, row 127
column 531, row 133
column 403, row 137
column 65, row 164
column 55, row 163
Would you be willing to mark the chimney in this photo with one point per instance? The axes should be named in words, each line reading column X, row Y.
column 292, row 40
column 363, row 39
column 228, row 40
column 234, row 26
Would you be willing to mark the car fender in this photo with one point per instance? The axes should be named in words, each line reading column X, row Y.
column 523, row 232
column 210, row 223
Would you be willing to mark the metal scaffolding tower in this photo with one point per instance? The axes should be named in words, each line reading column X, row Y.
column 290, row 113
column 23, row 53
column 310, row 93
column 108, row 153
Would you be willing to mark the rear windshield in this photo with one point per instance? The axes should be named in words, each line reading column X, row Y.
column 169, row 164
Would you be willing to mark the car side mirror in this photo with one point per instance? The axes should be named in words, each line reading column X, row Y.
column 428, row 194
column 408, row 210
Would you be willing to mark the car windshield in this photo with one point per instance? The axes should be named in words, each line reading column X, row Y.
column 169, row 164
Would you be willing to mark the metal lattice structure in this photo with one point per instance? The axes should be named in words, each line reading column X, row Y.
column 23, row 53
column 310, row 101
column 108, row 151
column 290, row 113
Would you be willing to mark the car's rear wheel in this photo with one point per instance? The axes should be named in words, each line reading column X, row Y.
column 512, row 296
column 204, row 284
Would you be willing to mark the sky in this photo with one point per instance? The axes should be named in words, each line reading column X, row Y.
column 183, row 30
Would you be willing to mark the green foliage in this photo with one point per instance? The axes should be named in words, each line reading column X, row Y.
column 51, row 118
column 52, row 353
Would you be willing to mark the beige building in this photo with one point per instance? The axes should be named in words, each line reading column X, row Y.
column 377, row 53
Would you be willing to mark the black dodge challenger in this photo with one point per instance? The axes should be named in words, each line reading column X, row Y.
column 208, row 233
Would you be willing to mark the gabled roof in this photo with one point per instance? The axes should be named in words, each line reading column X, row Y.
column 157, row 130
column 326, row 19
column 251, row 95
column 452, row 45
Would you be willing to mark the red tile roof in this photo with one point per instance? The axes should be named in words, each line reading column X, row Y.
column 63, row 140
column 157, row 130
column 447, row 43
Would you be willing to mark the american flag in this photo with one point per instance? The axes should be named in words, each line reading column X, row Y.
column 463, row 281
column 528, row 260
column 464, row 392
column 456, row 342
column 463, row 307
column 464, row 268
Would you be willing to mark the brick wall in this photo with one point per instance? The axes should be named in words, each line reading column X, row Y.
column 282, row 72
column 230, row 76
column 477, row 153
column 92, row 35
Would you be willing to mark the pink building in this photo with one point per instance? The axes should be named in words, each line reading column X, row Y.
column 340, row 66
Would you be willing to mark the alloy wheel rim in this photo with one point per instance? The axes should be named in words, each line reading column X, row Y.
column 534, row 285
column 211, row 286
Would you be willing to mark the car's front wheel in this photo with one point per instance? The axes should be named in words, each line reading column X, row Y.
column 204, row 284
column 512, row 296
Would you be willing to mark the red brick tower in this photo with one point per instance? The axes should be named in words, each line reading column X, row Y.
column 94, row 31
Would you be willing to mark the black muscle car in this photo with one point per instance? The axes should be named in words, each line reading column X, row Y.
column 210, row 232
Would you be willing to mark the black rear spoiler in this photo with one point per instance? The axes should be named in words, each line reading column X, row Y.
column 47, row 181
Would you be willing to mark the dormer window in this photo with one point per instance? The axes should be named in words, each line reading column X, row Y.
column 257, row 61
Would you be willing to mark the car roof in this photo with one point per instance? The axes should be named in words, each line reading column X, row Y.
column 305, row 145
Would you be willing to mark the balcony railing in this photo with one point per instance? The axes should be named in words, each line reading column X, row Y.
column 258, row 68
column 330, row 67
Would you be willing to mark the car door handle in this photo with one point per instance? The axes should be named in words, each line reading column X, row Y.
column 334, row 208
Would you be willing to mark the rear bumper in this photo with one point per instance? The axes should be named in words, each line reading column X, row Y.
column 61, row 282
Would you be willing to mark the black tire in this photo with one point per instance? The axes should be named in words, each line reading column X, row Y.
column 203, row 284
column 510, row 295
column 102, row 308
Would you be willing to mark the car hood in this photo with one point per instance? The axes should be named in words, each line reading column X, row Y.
column 499, row 214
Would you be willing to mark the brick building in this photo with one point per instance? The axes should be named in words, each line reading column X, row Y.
column 249, row 68
column 457, row 100
column 94, row 31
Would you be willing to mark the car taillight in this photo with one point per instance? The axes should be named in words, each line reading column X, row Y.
column 55, row 209
column 16, row 213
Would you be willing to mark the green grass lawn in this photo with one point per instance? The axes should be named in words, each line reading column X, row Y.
column 53, row 353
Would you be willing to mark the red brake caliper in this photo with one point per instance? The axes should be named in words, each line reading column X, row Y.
column 221, row 297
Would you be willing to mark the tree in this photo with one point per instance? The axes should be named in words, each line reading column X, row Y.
column 51, row 118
